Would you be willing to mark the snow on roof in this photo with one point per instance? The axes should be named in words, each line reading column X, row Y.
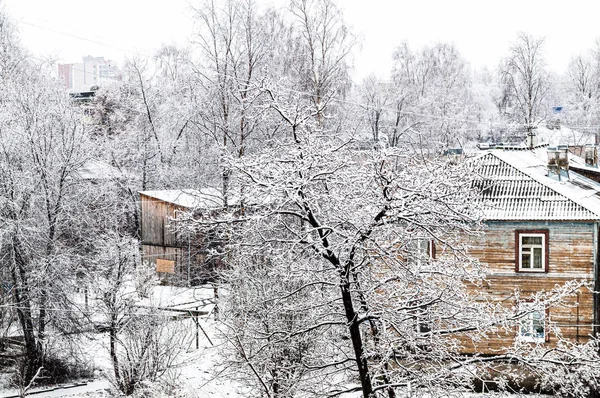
column 98, row 170
column 516, row 186
column 578, row 162
column 564, row 136
column 205, row 198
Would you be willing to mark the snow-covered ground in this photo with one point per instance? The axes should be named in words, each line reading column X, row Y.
column 197, row 376
column 198, row 371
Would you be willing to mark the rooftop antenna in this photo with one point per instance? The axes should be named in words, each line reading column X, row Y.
column 532, row 139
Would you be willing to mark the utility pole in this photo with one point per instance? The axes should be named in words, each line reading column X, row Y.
column 189, row 280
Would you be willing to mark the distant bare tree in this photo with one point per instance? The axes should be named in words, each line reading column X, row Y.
column 525, row 80
column 432, row 97
column 581, row 76
column 321, row 48
column 376, row 99
column 581, row 90
column 233, row 40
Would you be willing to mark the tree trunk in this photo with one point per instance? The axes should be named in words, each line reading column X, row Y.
column 21, row 295
column 375, row 331
column 353, row 326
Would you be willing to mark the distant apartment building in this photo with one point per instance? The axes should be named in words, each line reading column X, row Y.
column 93, row 71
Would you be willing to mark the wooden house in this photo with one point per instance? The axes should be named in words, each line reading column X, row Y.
column 178, row 255
column 541, row 230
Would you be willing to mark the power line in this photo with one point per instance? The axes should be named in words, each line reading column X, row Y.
column 484, row 124
column 70, row 35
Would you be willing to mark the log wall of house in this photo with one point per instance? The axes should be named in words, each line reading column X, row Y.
column 572, row 250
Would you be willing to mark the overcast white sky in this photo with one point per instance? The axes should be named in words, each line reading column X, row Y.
column 482, row 30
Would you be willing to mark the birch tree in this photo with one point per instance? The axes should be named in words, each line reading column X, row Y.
column 320, row 53
column 233, row 44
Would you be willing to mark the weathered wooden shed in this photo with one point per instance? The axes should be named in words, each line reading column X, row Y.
column 178, row 255
column 542, row 229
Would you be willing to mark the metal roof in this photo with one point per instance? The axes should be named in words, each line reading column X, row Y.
column 205, row 198
column 516, row 186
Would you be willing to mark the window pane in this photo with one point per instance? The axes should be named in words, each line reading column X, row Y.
column 524, row 327
column 532, row 326
column 538, row 325
column 525, row 260
column 537, row 257
column 532, row 240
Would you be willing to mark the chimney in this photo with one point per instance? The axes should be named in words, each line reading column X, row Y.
column 591, row 155
column 552, row 157
column 563, row 157
column 558, row 161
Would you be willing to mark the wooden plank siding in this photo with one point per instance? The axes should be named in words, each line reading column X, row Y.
column 156, row 228
column 153, row 252
column 161, row 241
column 572, row 252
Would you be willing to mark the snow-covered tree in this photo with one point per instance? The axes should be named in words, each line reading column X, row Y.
column 580, row 93
column 233, row 41
column 376, row 100
column 525, row 81
column 330, row 271
column 143, row 124
column 348, row 271
column 432, row 97
column 42, row 144
column 144, row 343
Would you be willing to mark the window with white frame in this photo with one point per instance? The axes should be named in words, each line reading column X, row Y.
column 532, row 251
column 420, row 315
column 532, row 325
column 422, row 251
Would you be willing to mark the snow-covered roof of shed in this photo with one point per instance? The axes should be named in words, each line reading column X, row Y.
column 205, row 198
column 516, row 186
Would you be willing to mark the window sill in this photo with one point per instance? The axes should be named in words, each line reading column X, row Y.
column 532, row 271
column 536, row 340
